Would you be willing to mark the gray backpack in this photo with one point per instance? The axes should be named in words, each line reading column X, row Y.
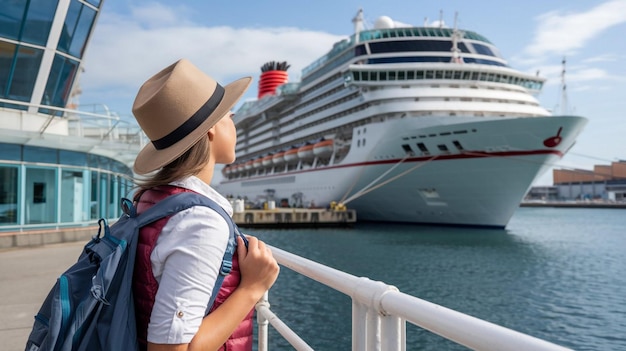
column 91, row 305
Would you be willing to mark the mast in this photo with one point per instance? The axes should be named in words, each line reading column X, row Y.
column 563, row 89
column 358, row 24
column 456, row 36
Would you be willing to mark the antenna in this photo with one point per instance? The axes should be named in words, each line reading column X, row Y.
column 440, row 18
column 358, row 23
column 563, row 89
column 456, row 36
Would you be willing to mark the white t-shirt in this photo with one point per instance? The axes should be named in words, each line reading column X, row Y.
column 186, row 261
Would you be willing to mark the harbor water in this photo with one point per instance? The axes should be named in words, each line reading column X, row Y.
column 557, row 274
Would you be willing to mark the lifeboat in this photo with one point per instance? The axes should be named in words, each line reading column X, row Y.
column 291, row 155
column 267, row 160
column 323, row 148
column 306, row 151
column 248, row 165
column 278, row 158
column 257, row 163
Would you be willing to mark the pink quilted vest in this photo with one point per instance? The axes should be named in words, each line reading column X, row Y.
column 145, row 285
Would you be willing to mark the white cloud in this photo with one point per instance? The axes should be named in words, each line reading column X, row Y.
column 565, row 33
column 126, row 50
column 602, row 58
column 587, row 74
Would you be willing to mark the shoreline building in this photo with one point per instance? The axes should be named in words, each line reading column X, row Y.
column 60, row 165
column 604, row 182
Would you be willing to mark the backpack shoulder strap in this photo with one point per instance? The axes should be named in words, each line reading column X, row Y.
column 182, row 201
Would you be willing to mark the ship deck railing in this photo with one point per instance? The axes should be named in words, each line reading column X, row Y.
column 380, row 313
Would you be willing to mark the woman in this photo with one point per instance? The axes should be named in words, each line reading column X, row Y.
column 187, row 116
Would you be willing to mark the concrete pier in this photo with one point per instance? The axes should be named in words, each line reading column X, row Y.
column 295, row 218
column 26, row 276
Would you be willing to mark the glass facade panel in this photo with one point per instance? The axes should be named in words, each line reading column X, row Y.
column 8, row 195
column 11, row 18
column 60, row 81
column 41, row 202
column 10, row 152
column 95, row 3
column 7, row 52
column 83, row 28
column 103, row 200
column 114, row 196
column 24, row 73
column 72, row 189
column 72, row 158
column 38, row 21
column 40, row 154
column 93, row 199
column 73, row 13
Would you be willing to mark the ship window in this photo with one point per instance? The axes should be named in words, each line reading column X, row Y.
column 457, row 74
column 460, row 132
column 392, row 75
column 442, row 147
column 422, row 147
column 410, row 75
column 429, row 74
column 444, row 133
column 484, row 50
column 401, row 75
column 458, row 145
column 407, row 149
column 419, row 75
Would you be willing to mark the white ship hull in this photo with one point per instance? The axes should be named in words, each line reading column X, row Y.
column 458, row 187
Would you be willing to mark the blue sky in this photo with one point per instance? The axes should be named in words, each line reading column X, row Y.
column 134, row 39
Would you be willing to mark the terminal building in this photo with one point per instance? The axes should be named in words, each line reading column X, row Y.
column 604, row 182
column 61, row 165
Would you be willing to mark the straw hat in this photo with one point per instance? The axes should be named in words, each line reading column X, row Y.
column 176, row 107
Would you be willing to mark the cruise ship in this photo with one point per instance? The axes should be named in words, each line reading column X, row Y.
column 402, row 123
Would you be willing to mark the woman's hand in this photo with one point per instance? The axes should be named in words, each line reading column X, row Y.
column 257, row 265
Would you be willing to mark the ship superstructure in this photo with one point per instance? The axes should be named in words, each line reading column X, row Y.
column 402, row 123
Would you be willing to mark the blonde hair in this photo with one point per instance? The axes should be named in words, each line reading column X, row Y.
column 188, row 164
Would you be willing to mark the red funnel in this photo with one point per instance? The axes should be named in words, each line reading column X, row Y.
column 270, row 80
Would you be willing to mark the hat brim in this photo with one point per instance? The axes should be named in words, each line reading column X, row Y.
column 150, row 159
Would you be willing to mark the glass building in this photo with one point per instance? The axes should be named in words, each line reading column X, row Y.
column 60, row 165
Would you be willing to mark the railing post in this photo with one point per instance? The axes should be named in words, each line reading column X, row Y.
column 373, row 330
column 391, row 333
column 263, row 323
column 359, row 325
column 382, row 332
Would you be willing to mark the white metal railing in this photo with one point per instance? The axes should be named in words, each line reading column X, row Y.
column 380, row 313
column 90, row 121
